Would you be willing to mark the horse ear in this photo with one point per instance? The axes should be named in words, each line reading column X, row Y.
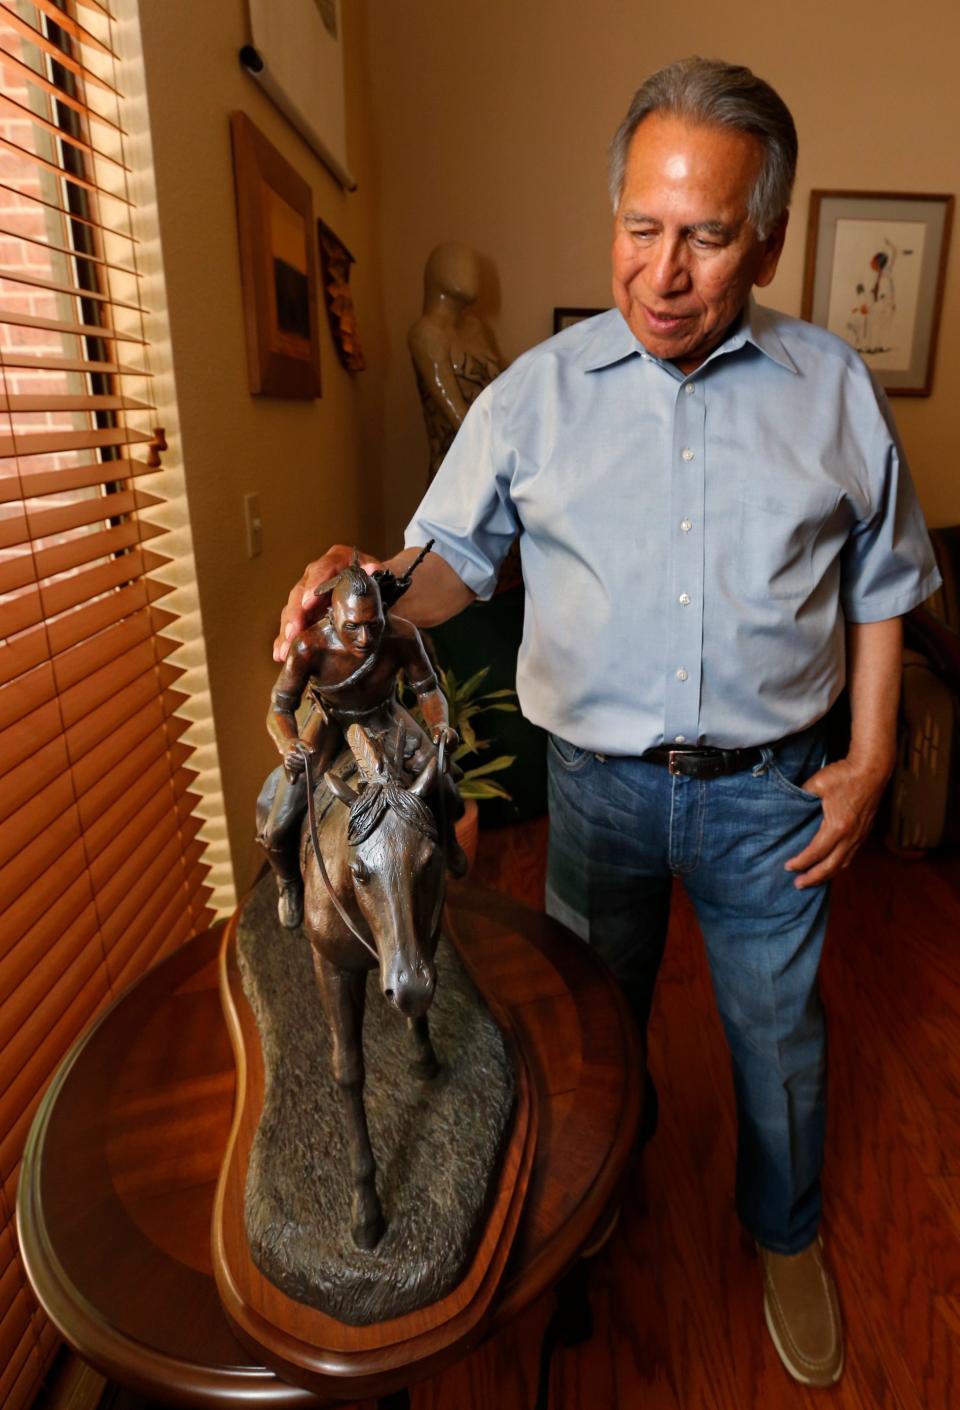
column 339, row 789
column 424, row 781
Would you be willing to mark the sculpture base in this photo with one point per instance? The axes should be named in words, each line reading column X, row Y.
column 305, row 1344
column 437, row 1142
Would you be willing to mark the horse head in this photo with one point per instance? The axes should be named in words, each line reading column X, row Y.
column 395, row 863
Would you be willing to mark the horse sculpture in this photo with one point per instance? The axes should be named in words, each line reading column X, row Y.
column 372, row 900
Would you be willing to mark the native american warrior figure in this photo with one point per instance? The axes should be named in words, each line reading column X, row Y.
column 347, row 665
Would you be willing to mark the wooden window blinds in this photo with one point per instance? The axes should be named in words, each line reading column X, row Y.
column 101, row 867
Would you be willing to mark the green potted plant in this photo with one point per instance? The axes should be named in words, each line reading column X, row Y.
column 465, row 701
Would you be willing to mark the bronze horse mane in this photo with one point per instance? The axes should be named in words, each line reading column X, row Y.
column 368, row 811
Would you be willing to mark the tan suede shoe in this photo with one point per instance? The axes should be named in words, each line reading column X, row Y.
column 803, row 1314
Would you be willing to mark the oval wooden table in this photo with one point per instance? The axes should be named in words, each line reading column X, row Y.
column 119, row 1174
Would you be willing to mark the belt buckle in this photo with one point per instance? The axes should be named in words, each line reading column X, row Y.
column 672, row 757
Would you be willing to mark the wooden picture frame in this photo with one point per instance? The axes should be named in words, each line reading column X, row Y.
column 875, row 268
column 567, row 317
column 278, row 267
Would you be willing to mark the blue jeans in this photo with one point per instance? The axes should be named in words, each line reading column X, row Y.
column 620, row 831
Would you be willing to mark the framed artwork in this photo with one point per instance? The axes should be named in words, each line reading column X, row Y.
column 874, row 274
column 567, row 317
column 335, row 260
column 278, row 266
column 296, row 55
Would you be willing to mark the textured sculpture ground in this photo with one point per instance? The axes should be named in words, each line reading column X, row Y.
column 436, row 1142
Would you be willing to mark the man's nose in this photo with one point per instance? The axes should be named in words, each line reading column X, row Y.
column 667, row 271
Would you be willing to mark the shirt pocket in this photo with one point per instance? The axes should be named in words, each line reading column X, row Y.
column 778, row 532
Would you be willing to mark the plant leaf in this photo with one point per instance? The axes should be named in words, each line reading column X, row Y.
column 495, row 766
column 484, row 788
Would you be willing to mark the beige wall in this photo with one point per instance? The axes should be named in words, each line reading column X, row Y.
column 314, row 464
column 486, row 123
column 492, row 122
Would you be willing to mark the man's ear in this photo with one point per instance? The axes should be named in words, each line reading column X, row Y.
column 772, row 250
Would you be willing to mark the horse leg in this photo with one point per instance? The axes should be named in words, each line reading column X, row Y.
column 425, row 1063
column 343, row 993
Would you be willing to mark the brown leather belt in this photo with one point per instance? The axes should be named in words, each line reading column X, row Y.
column 702, row 761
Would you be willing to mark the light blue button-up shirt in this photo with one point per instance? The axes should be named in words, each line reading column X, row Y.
column 691, row 546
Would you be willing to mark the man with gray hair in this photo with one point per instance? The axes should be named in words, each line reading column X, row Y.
column 718, row 533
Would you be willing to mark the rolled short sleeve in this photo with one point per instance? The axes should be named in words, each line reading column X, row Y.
column 467, row 510
column 888, row 565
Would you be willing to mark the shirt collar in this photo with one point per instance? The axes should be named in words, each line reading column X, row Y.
column 613, row 341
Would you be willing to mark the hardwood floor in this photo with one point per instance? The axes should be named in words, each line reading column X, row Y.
column 676, row 1293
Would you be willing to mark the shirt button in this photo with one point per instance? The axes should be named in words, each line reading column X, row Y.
column 680, row 739
column 684, row 599
column 689, row 389
column 681, row 674
column 686, row 525
column 687, row 453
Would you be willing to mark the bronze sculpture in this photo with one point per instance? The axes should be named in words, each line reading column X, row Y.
column 345, row 667
column 368, row 883
column 373, row 897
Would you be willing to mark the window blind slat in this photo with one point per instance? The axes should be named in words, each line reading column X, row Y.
column 75, row 668
column 35, row 948
column 40, row 80
column 40, row 402
column 86, row 547
column 126, row 838
column 142, row 725
column 47, row 46
column 78, row 219
column 155, row 780
column 139, row 695
column 54, row 325
column 33, row 484
column 73, row 27
column 35, row 857
column 18, row 741
column 53, row 442
column 86, row 256
column 180, row 920
column 49, row 362
column 31, row 904
column 34, row 159
column 124, row 778
column 50, row 805
column 158, row 910
column 34, row 688
column 29, row 115
column 19, row 1357
column 52, row 286
column 128, row 649
column 48, row 992
column 72, row 628
column 43, row 764
column 163, row 848
column 81, row 587
column 125, row 927
column 18, row 1104
column 20, row 657
column 23, row 1390
column 42, row 643
column 11, row 1280
column 93, row 509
